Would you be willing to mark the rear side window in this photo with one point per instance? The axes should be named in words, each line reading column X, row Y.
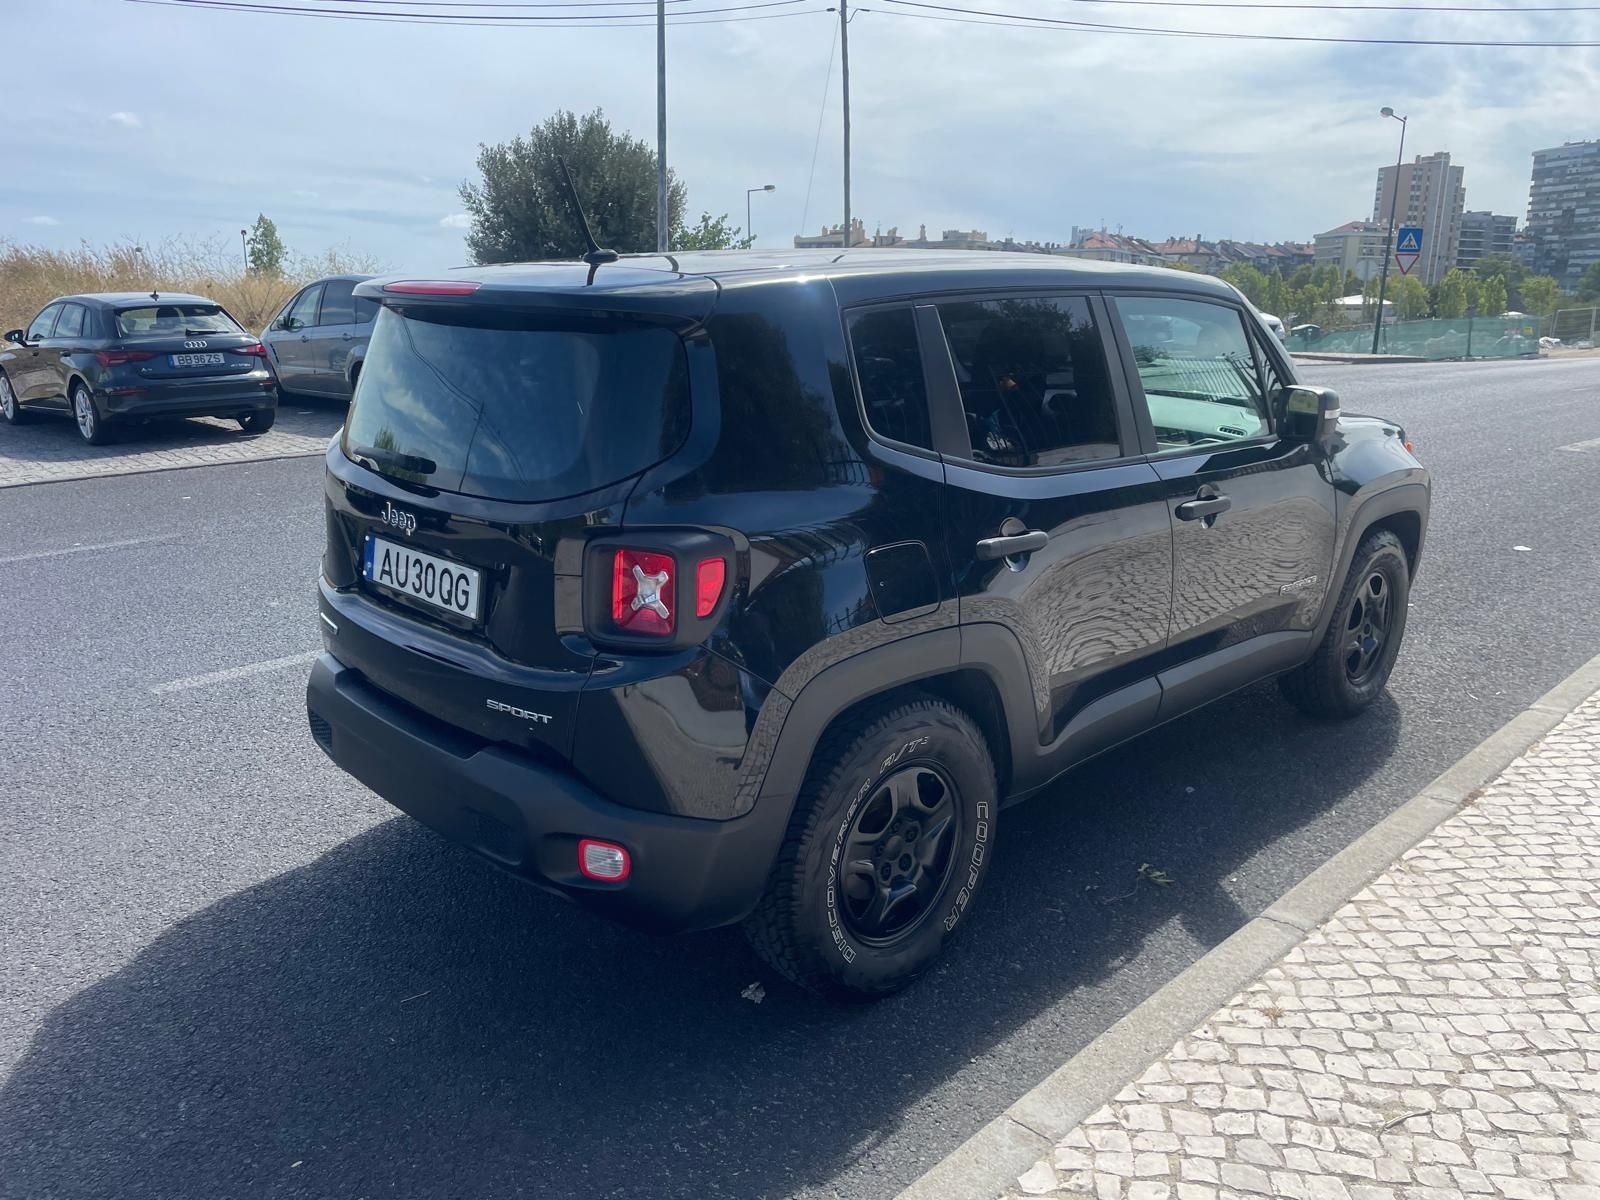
column 177, row 320
column 70, row 323
column 336, row 304
column 1034, row 381
column 889, row 365
column 514, row 406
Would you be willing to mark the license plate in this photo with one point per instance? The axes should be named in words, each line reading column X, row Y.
column 198, row 360
column 437, row 582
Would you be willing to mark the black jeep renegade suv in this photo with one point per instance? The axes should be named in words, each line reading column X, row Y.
column 751, row 587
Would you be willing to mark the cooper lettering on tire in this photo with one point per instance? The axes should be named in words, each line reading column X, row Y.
column 887, row 847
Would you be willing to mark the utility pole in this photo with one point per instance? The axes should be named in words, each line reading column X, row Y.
column 844, row 61
column 1388, row 249
column 662, row 215
column 245, row 246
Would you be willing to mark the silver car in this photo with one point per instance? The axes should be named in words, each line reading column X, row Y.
column 317, row 342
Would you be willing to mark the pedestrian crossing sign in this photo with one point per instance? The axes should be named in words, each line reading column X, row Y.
column 1407, row 247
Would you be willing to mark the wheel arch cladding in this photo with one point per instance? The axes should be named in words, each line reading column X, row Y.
column 1405, row 525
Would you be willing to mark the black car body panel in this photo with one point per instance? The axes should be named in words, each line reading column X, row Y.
column 140, row 355
column 842, row 460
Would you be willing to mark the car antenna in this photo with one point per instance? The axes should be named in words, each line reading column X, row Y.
column 155, row 295
column 597, row 254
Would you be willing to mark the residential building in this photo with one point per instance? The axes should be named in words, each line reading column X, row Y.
column 1564, row 210
column 1432, row 195
column 1193, row 252
column 1102, row 246
column 1356, row 247
column 1484, row 233
column 832, row 236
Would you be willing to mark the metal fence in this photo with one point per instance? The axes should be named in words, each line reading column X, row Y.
column 1464, row 337
column 1579, row 327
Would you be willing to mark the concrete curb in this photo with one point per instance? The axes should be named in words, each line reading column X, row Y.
column 223, row 462
column 1356, row 357
column 988, row 1163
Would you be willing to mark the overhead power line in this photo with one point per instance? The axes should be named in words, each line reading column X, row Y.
column 420, row 17
column 984, row 16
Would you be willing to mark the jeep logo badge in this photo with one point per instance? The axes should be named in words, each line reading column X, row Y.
column 399, row 518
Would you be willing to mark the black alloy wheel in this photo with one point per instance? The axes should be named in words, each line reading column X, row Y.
column 1367, row 628
column 898, row 855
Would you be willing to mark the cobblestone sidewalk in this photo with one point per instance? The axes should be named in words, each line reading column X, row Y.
column 1437, row 1039
column 48, row 449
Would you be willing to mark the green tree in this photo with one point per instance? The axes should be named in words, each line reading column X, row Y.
column 1504, row 266
column 519, row 207
column 1589, row 283
column 1248, row 280
column 264, row 248
column 1451, row 301
column 1541, row 295
column 1492, row 296
column 1409, row 297
column 712, row 233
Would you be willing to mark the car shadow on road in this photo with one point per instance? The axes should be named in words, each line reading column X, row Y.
column 396, row 1019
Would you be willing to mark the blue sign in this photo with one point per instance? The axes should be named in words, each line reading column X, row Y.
column 1408, row 239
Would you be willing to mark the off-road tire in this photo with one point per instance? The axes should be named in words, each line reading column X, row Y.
column 1326, row 686
column 800, row 926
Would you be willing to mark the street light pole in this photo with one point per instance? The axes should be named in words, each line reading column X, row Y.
column 1388, row 249
column 245, row 247
column 749, row 233
column 844, row 67
column 662, row 216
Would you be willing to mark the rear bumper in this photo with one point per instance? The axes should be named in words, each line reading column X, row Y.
column 223, row 398
column 526, row 816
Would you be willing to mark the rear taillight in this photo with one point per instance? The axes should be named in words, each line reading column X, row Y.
column 115, row 358
column 432, row 287
column 643, row 592
column 254, row 351
column 708, row 580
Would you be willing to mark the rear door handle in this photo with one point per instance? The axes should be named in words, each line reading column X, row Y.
column 1010, row 545
column 1195, row 510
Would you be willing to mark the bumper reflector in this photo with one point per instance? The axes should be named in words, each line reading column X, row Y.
column 605, row 861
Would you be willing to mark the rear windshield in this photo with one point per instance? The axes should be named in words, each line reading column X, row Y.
column 516, row 407
column 180, row 319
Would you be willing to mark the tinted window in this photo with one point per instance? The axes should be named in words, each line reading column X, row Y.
column 70, row 323
column 302, row 313
column 174, row 320
column 501, row 404
column 1199, row 374
column 1033, row 381
column 365, row 310
column 43, row 323
column 889, row 366
column 336, row 303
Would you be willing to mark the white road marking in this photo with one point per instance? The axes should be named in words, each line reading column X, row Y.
column 144, row 541
column 259, row 668
column 1591, row 444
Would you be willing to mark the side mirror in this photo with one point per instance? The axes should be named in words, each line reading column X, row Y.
column 1310, row 413
column 17, row 336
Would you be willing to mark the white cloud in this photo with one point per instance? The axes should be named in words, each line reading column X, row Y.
column 456, row 221
column 305, row 194
column 425, row 178
column 42, row 221
column 127, row 120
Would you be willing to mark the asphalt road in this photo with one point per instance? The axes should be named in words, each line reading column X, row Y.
column 226, row 970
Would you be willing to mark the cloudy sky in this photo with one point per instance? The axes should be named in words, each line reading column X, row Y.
column 144, row 121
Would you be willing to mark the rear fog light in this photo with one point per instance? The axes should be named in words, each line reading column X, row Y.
column 605, row 861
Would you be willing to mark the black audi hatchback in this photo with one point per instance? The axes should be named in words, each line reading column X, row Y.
column 750, row 587
column 111, row 358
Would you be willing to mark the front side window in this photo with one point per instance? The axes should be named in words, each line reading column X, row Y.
column 889, row 365
column 1034, row 382
column 43, row 323
column 365, row 310
column 1198, row 371
column 302, row 313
